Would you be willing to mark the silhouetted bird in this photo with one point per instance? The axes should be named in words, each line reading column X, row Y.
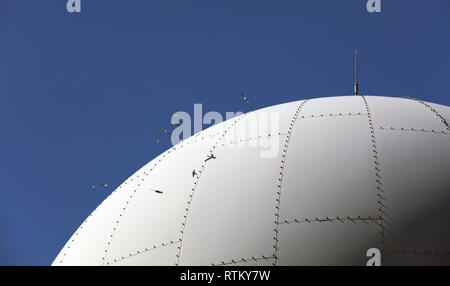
column 210, row 157
column 165, row 131
column 194, row 173
column 245, row 97
column 103, row 185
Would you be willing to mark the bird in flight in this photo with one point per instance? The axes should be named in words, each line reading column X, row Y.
column 165, row 131
column 210, row 157
column 103, row 185
column 194, row 173
column 158, row 191
column 245, row 97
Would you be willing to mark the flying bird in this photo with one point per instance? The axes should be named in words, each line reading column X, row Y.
column 245, row 97
column 210, row 157
column 103, row 185
column 194, row 173
column 165, row 131
column 158, row 191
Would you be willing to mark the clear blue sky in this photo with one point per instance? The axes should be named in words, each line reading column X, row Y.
column 81, row 95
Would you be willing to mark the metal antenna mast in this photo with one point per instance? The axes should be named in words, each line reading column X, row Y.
column 356, row 73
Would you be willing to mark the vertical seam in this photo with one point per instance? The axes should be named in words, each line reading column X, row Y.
column 194, row 187
column 280, row 180
column 378, row 179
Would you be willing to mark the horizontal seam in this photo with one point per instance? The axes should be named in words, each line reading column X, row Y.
column 411, row 130
column 333, row 219
column 245, row 260
column 417, row 252
column 143, row 251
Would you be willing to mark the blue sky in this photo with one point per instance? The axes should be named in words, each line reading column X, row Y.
column 82, row 95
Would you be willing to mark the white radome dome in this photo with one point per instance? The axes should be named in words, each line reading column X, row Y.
column 351, row 173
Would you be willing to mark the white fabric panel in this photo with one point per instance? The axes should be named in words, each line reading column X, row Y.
column 399, row 113
column 329, row 170
column 334, row 105
column 162, row 256
column 416, row 185
column 237, row 216
column 326, row 243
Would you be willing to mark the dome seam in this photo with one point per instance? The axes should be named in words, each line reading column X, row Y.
column 378, row 180
column 442, row 119
column 280, row 179
column 194, row 187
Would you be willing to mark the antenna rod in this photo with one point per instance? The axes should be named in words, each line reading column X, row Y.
column 356, row 73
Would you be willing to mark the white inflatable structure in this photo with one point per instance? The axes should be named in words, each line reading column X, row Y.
column 349, row 174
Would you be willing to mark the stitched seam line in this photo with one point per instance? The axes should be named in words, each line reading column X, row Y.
column 432, row 110
column 197, row 179
column 331, row 220
column 331, row 115
column 243, row 260
column 417, row 252
column 411, row 130
column 378, row 179
column 156, row 246
column 252, row 138
column 280, row 180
